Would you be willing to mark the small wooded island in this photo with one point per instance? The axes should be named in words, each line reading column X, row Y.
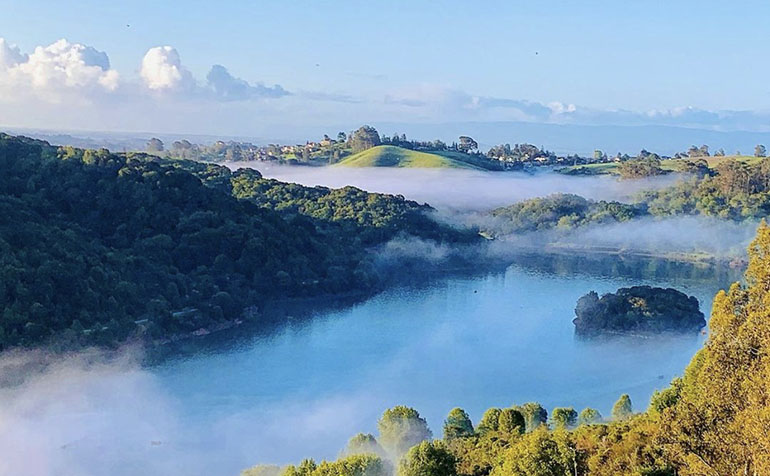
column 638, row 309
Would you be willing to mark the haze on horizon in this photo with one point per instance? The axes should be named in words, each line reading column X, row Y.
column 233, row 68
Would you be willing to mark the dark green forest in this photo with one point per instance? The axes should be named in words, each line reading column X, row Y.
column 98, row 248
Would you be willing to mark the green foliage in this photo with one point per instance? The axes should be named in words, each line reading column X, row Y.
column 354, row 465
column 589, row 416
column 720, row 421
column 429, row 458
column 638, row 309
column 559, row 211
column 640, row 168
column 457, row 424
column 348, row 213
column 365, row 137
column 666, row 398
column 511, row 422
column 534, row 415
column 737, row 191
column 489, row 421
column 163, row 248
column 400, row 428
column 564, row 417
column 540, row 453
column 364, row 444
column 622, row 409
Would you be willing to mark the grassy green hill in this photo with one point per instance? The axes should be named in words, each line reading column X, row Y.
column 392, row 156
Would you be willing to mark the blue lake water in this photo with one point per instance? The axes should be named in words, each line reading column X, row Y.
column 474, row 342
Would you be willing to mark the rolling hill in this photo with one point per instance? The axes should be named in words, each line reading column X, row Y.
column 392, row 156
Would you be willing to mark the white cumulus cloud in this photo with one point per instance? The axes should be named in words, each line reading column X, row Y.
column 10, row 55
column 162, row 70
column 57, row 69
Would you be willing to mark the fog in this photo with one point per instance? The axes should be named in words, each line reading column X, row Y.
column 465, row 190
column 92, row 413
column 462, row 197
column 304, row 392
column 306, row 389
column 690, row 234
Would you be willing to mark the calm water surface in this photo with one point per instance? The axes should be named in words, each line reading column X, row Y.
column 472, row 342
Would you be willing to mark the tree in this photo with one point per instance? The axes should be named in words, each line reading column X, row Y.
column 589, row 416
column 155, row 145
column 534, row 415
column 511, row 421
column 640, row 168
column 365, row 137
column 599, row 155
column 305, row 468
column 467, row 144
column 457, row 424
column 564, row 417
column 622, row 410
column 429, row 458
column 541, row 453
column 719, row 423
column 364, row 444
column 702, row 151
column 665, row 398
column 401, row 428
column 342, row 137
column 760, row 151
column 489, row 421
column 354, row 465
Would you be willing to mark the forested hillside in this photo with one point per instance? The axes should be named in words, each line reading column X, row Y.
column 714, row 420
column 99, row 247
column 733, row 190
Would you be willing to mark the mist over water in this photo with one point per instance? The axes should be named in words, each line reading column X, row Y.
column 306, row 388
column 657, row 236
column 464, row 190
column 303, row 390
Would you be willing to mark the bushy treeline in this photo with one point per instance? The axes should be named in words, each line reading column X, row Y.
column 98, row 247
column 714, row 420
column 736, row 190
column 561, row 210
column 733, row 190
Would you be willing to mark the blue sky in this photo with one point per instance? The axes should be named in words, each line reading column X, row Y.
column 343, row 62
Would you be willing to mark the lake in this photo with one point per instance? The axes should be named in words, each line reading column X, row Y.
column 475, row 342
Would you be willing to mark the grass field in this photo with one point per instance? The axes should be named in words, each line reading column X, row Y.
column 392, row 156
column 670, row 165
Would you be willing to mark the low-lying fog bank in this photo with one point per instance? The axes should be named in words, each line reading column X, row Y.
column 461, row 189
column 721, row 239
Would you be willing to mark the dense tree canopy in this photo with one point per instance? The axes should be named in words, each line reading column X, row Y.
column 638, row 309
column 163, row 248
column 560, row 210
